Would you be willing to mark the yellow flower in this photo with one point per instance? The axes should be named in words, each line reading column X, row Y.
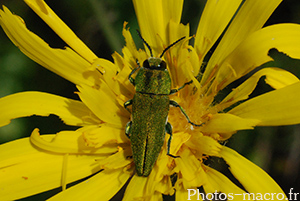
column 100, row 148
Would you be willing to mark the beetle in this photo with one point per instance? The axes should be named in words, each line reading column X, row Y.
column 150, row 108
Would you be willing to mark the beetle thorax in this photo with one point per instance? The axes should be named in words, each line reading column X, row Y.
column 153, row 81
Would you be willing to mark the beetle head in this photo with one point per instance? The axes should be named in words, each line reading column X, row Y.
column 155, row 63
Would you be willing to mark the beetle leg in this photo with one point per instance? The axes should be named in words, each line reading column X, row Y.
column 173, row 91
column 128, row 129
column 132, row 81
column 127, row 103
column 169, row 131
column 175, row 104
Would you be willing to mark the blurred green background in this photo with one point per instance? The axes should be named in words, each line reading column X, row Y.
column 99, row 24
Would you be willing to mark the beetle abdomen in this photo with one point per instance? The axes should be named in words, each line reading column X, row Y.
column 148, row 129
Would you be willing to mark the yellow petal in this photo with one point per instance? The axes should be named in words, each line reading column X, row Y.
column 215, row 17
column 162, row 186
column 162, row 165
column 178, row 139
column 117, row 160
column 278, row 107
column 227, row 123
column 62, row 30
column 102, row 186
column 176, row 31
column 68, row 142
column 147, row 188
column 204, row 144
column 103, row 104
column 153, row 17
column 108, row 72
column 26, row 170
column 188, row 64
column 103, row 135
column 24, row 104
column 64, row 62
column 130, row 44
column 279, row 78
column 219, row 183
column 135, row 188
column 190, row 170
column 122, row 77
column 157, row 185
column 178, row 55
column 250, row 18
column 252, row 177
column 253, row 51
column 276, row 77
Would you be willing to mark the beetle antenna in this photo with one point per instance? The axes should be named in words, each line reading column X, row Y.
column 171, row 46
column 148, row 46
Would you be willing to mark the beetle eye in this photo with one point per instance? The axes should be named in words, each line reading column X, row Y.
column 146, row 64
column 163, row 65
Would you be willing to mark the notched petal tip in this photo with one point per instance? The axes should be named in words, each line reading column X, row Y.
column 228, row 123
column 49, row 16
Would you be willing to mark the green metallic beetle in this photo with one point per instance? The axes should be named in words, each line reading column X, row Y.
column 150, row 108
